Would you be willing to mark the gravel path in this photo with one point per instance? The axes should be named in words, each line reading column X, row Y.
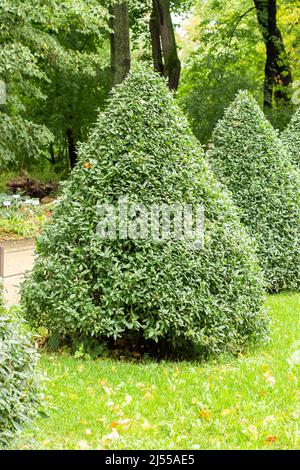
column 18, row 258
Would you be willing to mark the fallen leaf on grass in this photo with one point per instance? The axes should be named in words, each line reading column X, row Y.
column 124, row 423
column 271, row 438
column 148, row 396
column 113, row 436
column 205, row 414
column 227, row 411
column 145, row 425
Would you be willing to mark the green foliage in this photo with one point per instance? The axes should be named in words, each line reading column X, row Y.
column 21, row 140
column 291, row 137
column 84, row 285
column 250, row 159
column 223, row 52
column 53, row 61
column 20, row 381
column 20, row 220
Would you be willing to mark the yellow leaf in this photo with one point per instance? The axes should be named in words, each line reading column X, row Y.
column 205, row 414
column 146, row 425
column 148, row 396
column 124, row 423
column 271, row 438
column 226, row 412
column 87, row 165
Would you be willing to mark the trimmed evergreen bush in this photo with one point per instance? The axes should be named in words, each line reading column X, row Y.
column 250, row 159
column 20, row 380
column 85, row 286
column 291, row 137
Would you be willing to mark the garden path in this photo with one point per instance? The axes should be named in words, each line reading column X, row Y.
column 18, row 258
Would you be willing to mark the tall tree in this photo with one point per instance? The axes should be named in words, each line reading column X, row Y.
column 164, row 48
column 278, row 75
column 119, row 42
column 155, row 41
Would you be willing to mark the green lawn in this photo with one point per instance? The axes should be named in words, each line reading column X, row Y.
column 251, row 402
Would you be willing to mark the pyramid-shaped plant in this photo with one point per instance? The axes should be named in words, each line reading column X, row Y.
column 291, row 138
column 250, row 159
column 142, row 151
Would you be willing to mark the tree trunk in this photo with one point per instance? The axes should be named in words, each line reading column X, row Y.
column 278, row 75
column 52, row 154
column 71, row 148
column 155, row 41
column 172, row 66
column 119, row 42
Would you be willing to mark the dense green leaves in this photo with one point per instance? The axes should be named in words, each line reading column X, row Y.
column 20, row 381
column 223, row 51
column 82, row 285
column 53, row 61
column 291, row 137
column 251, row 160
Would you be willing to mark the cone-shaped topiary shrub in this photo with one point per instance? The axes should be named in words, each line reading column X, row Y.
column 20, row 380
column 291, row 138
column 250, row 159
column 83, row 285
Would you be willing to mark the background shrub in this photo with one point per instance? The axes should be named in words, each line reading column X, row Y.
column 81, row 285
column 20, row 380
column 250, row 159
column 291, row 137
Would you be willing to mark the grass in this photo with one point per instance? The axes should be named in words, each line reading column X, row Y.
column 22, row 222
column 250, row 402
column 18, row 222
